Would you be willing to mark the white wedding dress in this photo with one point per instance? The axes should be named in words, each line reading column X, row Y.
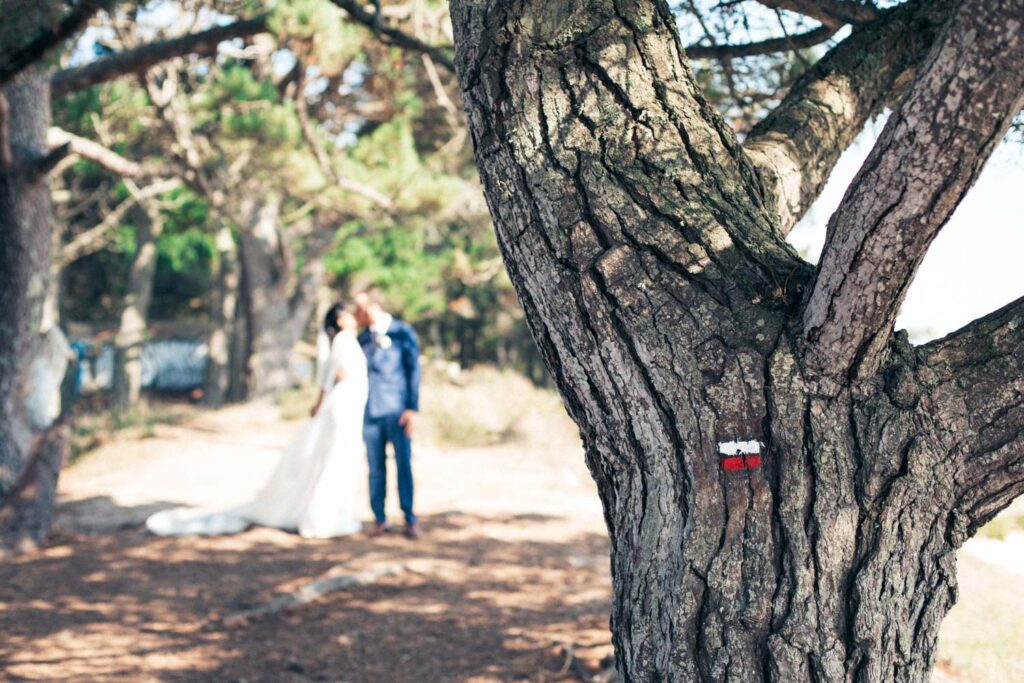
column 313, row 489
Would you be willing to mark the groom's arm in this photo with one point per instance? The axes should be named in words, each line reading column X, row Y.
column 411, row 361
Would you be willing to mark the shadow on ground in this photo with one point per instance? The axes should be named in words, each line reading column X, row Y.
column 485, row 598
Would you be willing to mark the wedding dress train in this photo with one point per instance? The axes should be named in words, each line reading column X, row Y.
column 313, row 489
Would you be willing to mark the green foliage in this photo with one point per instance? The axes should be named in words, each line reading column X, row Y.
column 236, row 83
column 407, row 255
column 118, row 104
column 186, row 255
column 186, row 210
column 379, row 122
column 249, row 108
column 183, row 276
column 394, row 258
column 190, row 250
column 326, row 39
column 125, row 242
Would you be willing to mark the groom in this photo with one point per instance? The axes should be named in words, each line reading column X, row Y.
column 393, row 361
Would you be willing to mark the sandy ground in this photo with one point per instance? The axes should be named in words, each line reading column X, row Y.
column 511, row 575
column 510, row 582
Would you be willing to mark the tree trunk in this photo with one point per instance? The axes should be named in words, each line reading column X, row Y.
column 52, row 312
column 33, row 361
column 217, row 375
column 766, row 525
column 241, row 345
column 132, row 333
column 277, row 302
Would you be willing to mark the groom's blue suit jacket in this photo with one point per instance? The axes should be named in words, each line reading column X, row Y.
column 394, row 370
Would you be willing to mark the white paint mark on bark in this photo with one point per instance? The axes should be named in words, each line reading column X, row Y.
column 739, row 447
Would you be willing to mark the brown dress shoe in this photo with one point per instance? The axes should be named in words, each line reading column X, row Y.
column 379, row 529
column 413, row 530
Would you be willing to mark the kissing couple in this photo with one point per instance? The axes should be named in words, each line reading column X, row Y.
column 369, row 382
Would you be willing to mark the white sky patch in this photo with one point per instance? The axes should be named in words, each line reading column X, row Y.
column 974, row 266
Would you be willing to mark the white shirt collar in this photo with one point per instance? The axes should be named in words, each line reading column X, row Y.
column 382, row 324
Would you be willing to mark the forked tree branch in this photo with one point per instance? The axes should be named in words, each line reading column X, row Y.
column 139, row 59
column 47, row 38
column 930, row 152
column 49, row 161
column 99, row 236
column 980, row 371
column 834, row 13
column 102, row 156
column 323, row 160
column 395, row 36
column 796, row 147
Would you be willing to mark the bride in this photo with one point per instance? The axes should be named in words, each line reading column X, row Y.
column 313, row 488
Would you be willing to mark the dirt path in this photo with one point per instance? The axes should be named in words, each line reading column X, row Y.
column 511, row 573
column 511, row 576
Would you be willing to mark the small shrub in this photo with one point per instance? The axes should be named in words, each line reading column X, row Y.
column 486, row 406
column 95, row 427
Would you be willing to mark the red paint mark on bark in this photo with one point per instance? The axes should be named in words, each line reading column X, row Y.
column 732, row 464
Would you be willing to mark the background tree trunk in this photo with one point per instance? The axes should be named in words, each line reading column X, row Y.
column 217, row 377
column 134, row 316
column 766, row 525
column 278, row 302
column 33, row 361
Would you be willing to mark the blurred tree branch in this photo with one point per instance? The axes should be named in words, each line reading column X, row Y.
column 833, row 13
column 139, row 59
column 46, row 38
column 394, row 36
column 763, row 47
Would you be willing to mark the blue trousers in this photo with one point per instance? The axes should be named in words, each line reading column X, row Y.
column 378, row 432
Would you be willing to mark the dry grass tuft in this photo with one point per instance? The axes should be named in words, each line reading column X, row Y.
column 487, row 406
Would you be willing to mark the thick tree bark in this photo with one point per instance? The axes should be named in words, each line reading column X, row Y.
column 762, row 529
column 798, row 144
column 930, row 153
column 980, row 370
column 131, row 334
column 32, row 360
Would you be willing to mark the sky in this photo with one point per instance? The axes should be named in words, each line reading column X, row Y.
column 974, row 266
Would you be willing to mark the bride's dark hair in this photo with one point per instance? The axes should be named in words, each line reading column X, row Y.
column 331, row 326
